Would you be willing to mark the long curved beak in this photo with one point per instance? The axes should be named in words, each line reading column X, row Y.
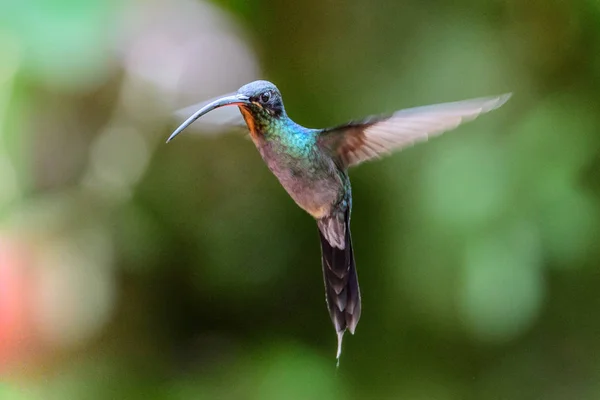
column 235, row 100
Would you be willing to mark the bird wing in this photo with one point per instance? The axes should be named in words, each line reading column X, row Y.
column 356, row 142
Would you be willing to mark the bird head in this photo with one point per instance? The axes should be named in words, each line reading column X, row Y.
column 265, row 99
column 260, row 102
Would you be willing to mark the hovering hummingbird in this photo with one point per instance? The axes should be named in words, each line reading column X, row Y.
column 312, row 165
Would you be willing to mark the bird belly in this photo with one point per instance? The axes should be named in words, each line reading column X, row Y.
column 316, row 198
column 314, row 187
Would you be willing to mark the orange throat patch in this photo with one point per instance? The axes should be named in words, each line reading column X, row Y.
column 250, row 122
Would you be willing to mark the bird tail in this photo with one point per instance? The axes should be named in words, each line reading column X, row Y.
column 341, row 283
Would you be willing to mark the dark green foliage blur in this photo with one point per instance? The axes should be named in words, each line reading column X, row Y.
column 132, row 269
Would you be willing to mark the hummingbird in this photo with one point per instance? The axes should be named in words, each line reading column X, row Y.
column 312, row 166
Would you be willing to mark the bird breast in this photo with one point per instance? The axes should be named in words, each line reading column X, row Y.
column 311, row 180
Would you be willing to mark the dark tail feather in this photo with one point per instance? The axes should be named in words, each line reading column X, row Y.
column 341, row 285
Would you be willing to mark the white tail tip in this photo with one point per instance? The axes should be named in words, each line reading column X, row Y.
column 340, row 337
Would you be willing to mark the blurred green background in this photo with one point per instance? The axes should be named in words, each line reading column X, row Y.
column 130, row 269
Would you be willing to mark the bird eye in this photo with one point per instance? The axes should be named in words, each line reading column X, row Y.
column 265, row 97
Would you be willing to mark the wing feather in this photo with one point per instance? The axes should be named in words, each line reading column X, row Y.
column 376, row 137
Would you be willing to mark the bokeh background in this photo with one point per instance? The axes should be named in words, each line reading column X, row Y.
column 130, row 269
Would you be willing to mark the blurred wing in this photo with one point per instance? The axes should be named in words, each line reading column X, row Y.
column 219, row 120
column 361, row 141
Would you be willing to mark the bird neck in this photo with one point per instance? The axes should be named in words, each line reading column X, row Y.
column 264, row 125
column 281, row 131
column 291, row 138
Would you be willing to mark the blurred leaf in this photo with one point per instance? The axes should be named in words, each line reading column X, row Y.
column 293, row 372
column 503, row 287
column 64, row 42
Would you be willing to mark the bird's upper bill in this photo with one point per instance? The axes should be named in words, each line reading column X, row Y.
column 261, row 96
column 234, row 100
